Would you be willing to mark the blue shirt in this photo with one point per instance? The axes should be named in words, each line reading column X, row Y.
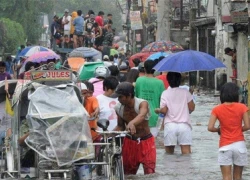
column 9, row 65
column 78, row 23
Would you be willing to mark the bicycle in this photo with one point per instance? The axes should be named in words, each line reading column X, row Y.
column 108, row 161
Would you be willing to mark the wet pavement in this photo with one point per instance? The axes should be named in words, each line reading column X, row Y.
column 202, row 163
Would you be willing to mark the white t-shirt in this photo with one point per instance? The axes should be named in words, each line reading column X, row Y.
column 176, row 99
column 107, row 111
column 67, row 26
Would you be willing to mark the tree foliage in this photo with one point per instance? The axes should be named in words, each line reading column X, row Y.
column 27, row 13
column 11, row 34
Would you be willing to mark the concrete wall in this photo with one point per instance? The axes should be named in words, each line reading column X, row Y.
column 211, row 9
column 232, row 40
column 242, row 56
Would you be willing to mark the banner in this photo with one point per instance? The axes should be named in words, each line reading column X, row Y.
column 135, row 18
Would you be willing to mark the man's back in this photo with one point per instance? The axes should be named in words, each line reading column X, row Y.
column 99, row 20
column 150, row 89
column 79, row 24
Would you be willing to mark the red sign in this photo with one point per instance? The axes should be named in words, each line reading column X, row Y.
column 51, row 75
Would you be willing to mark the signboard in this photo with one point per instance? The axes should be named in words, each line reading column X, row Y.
column 54, row 75
column 135, row 18
column 239, row 17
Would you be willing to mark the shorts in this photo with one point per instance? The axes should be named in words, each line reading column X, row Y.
column 139, row 152
column 235, row 153
column 177, row 134
column 66, row 32
column 78, row 33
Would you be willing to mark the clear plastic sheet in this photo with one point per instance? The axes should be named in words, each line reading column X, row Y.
column 58, row 125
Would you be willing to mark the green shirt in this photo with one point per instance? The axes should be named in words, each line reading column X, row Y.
column 150, row 89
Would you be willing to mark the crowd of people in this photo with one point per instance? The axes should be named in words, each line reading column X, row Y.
column 77, row 30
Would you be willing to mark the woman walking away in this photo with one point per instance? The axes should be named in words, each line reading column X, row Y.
column 232, row 147
column 176, row 104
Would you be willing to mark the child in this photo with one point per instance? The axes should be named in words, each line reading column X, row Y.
column 91, row 105
column 232, row 147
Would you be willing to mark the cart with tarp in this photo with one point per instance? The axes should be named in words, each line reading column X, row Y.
column 48, row 111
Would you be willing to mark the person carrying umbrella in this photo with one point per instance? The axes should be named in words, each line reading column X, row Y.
column 176, row 104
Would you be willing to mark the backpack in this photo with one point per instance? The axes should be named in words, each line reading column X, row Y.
column 89, row 25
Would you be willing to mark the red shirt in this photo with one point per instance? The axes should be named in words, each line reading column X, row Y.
column 230, row 117
column 99, row 20
column 164, row 79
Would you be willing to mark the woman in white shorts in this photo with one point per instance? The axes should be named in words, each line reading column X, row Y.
column 176, row 103
column 232, row 147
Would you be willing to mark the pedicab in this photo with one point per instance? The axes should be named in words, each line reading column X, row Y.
column 50, row 119
column 7, row 88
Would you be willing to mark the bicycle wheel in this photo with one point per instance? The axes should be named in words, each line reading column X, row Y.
column 117, row 169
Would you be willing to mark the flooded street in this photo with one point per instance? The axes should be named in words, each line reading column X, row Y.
column 202, row 163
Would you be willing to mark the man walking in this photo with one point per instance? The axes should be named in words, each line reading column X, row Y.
column 133, row 115
column 150, row 88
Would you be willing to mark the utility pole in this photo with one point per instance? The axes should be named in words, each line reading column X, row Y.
column 248, row 76
column 192, row 43
column 192, row 29
column 128, row 23
column 163, row 20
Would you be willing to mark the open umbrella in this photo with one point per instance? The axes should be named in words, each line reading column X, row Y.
column 162, row 46
column 157, row 55
column 187, row 61
column 141, row 55
column 42, row 56
column 84, row 52
column 87, row 70
column 75, row 63
column 28, row 51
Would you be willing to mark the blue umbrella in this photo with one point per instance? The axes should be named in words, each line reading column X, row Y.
column 187, row 61
column 30, row 50
column 157, row 55
column 84, row 52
